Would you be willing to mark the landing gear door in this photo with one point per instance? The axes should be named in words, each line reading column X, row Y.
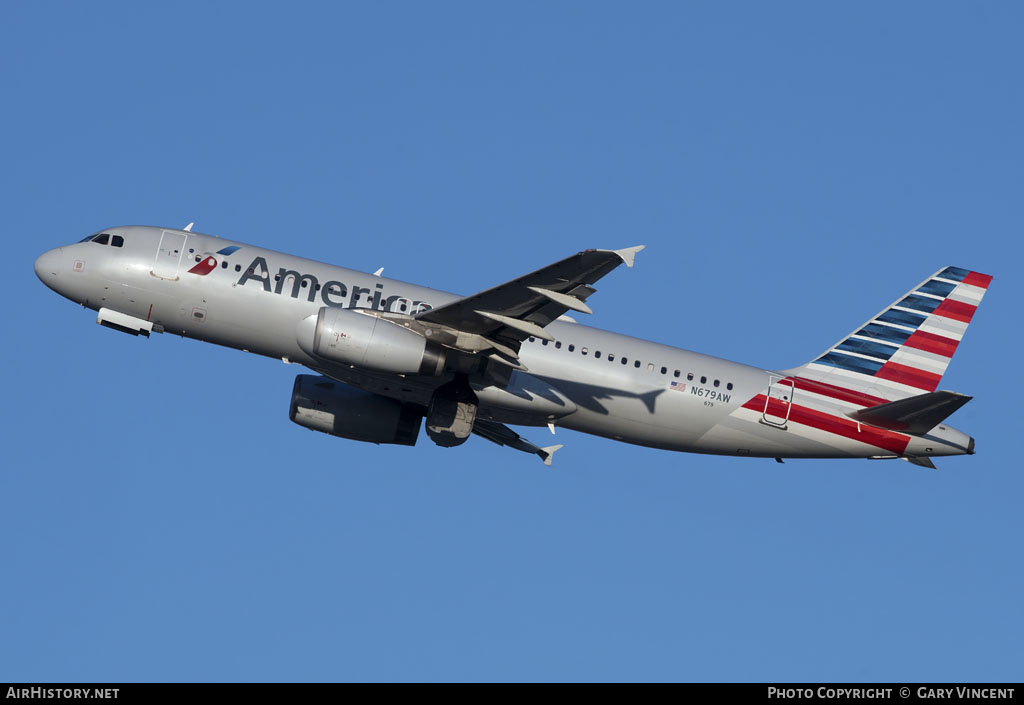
column 168, row 254
column 779, row 401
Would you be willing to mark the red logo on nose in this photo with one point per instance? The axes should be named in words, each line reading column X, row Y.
column 205, row 267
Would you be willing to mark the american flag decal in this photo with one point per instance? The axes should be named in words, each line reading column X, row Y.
column 677, row 386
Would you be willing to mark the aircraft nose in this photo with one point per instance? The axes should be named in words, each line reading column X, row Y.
column 47, row 266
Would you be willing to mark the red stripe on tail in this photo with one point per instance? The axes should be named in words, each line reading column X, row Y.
column 911, row 376
column 978, row 279
column 929, row 342
column 957, row 310
column 840, row 393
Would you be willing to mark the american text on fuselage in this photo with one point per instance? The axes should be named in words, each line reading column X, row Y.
column 331, row 293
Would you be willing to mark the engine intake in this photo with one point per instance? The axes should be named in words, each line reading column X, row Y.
column 341, row 335
column 321, row 404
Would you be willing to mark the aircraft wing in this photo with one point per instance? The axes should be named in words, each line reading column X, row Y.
column 511, row 312
column 505, row 436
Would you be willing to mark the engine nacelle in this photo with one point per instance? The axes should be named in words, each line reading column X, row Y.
column 321, row 404
column 341, row 335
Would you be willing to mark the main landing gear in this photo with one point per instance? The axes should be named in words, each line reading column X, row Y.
column 452, row 412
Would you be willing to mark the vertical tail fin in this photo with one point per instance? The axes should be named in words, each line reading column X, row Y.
column 905, row 349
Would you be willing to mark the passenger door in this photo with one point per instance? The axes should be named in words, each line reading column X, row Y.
column 168, row 254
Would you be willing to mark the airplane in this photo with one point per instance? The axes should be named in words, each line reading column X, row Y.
column 390, row 356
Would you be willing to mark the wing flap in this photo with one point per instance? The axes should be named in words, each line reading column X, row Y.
column 567, row 300
column 522, row 326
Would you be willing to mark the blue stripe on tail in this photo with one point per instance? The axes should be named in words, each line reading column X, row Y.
column 954, row 273
column 893, row 335
column 936, row 288
column 868, row 347
column 848, row 362
column 920, row 303
column 902, row 318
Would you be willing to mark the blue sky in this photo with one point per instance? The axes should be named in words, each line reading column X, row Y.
column 792, row 168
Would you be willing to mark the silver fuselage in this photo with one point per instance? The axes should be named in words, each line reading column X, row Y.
column 623, row 388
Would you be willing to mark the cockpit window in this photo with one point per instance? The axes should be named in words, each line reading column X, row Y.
column 102, row 239
column 87, row 238
column 117, row 241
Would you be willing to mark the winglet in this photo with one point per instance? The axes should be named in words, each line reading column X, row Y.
column 628, row 253
column 188, row 228
column 547, row 453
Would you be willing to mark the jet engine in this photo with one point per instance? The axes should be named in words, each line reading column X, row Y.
column 341, row 335
column 321, row 404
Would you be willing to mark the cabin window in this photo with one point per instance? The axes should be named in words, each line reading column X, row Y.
column 572, row 348
column 650, row 367
column 238, row 268
column 532, row 339
column 689, row 376
column 558, row 345
column 583, row 350
column 664, row 370
column 676, row 373
column 729, row 386
column 223, row 265
column 636, row 364
column 717, row 382
column 543, row 342
column 611, row 357
column 703, row 380
column 597, row 354
column 624, row 360
column 117, row 241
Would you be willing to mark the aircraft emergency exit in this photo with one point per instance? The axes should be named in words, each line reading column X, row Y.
column 390, row 357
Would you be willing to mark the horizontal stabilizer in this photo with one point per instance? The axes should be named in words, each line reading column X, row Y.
column 914, row 415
